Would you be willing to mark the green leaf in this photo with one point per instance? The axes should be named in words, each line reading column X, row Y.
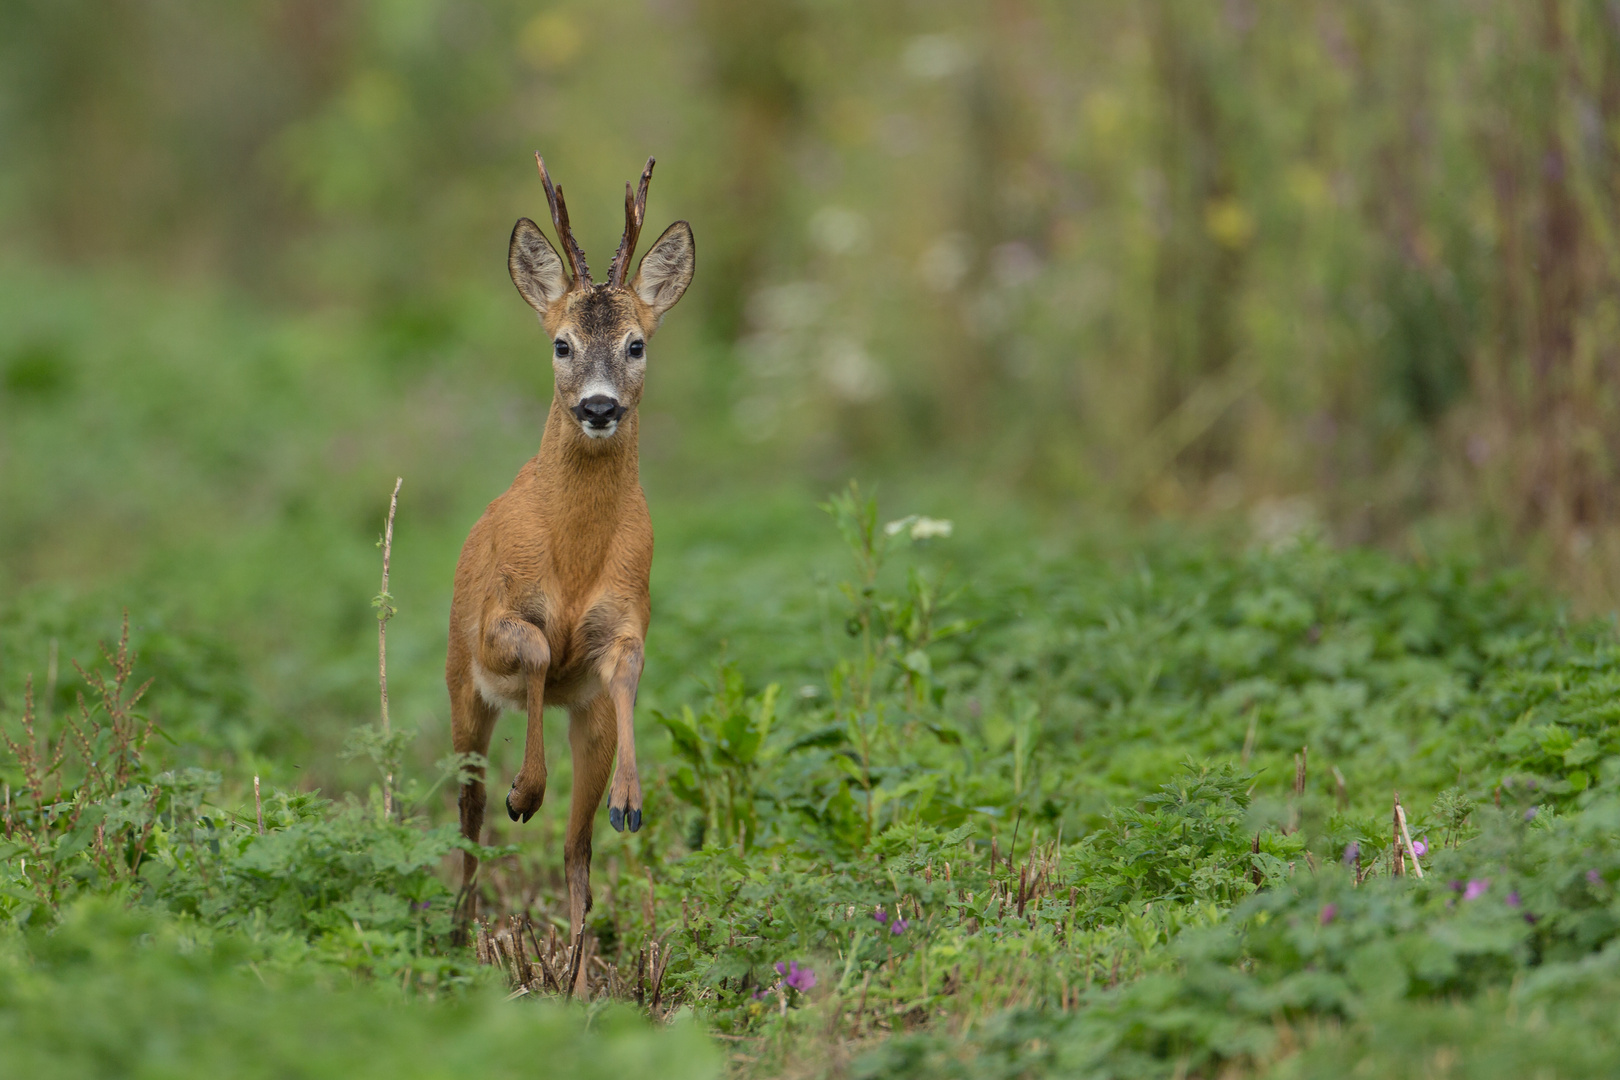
column 825, row 737
column 1555, row 740
column 683, row 732
column 1583, row 751
column 739, row 739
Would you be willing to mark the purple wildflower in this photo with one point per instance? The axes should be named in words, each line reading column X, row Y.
column 1530, row 814
column 1513, row 898
column 1476, row 888
column 1352, row 853
column 1594, row 876
column 1420, row 846
column 796, row 977
column 899, row 926
column 880, row 915
column 1329, row 913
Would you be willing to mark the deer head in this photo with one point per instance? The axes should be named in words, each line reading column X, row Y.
column 599, row 333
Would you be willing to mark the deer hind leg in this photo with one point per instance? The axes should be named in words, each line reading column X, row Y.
column 621, row 675
column 590, row 736
column 516, row 649
column 472, row 721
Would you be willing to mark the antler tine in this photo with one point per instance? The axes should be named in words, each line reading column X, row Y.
column 559, row 220
column 635, row 209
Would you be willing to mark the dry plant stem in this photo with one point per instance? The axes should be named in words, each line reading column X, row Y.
column 660, row 964
column 1397, row 855
column 146, row 833
column 50, row 682
column 1400, row 818
column 258, row 805
column 547, row 978
column 383, row 614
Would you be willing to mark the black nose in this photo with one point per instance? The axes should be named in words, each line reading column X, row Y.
column 598, row 410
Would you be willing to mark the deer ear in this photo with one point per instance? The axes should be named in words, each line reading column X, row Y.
column 666, row 269
column 536, row 270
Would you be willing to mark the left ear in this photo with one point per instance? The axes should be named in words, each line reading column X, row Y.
column 666, row 269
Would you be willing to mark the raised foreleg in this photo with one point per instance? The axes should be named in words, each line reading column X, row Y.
column 515, row 647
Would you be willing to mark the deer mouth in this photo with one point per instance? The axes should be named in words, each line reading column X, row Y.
column 599, row 415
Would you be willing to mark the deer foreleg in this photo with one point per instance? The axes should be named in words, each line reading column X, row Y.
column 516, row 646
column 622, row 675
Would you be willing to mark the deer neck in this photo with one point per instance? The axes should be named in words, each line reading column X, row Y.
column 584, row 486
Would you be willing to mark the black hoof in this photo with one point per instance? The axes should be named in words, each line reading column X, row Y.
column 616, row 818
column 635, row 821
column 513, row 814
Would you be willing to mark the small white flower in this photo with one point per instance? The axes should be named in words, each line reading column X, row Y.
column 919, row 527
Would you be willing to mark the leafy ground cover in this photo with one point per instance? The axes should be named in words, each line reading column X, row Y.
column 978, row 806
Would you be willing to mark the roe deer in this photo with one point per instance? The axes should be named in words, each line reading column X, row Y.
column 551, row 600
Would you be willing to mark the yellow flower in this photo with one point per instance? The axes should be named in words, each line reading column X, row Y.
column 1229, row 223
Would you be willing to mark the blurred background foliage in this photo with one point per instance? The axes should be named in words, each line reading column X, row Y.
column 1344, row 266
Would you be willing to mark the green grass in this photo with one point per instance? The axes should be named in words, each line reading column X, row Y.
column 1062, row 693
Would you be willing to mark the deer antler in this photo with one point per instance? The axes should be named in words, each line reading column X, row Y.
column 565, row 235
column 635, row 208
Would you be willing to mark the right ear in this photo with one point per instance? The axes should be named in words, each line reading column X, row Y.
column 666, row 269
column 536, row 270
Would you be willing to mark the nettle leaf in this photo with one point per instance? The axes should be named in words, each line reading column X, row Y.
column 1582, row 751
column 832, row 735
column 683, row 732
column 685, row 787
column 850, row 767
column 70, row 844
column 1555, row 741
column 739, row 739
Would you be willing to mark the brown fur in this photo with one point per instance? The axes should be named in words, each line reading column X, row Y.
column 551, row 596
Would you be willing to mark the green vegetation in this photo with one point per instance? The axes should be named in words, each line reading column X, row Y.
column 1046, row 819
column 1260, row 354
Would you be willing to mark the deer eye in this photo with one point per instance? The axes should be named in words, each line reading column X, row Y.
column 638, row 349
column 562, row 349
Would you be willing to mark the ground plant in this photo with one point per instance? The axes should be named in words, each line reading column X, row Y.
column 1071, row 814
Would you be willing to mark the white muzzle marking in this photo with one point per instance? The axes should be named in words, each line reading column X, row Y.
column 599, row 388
